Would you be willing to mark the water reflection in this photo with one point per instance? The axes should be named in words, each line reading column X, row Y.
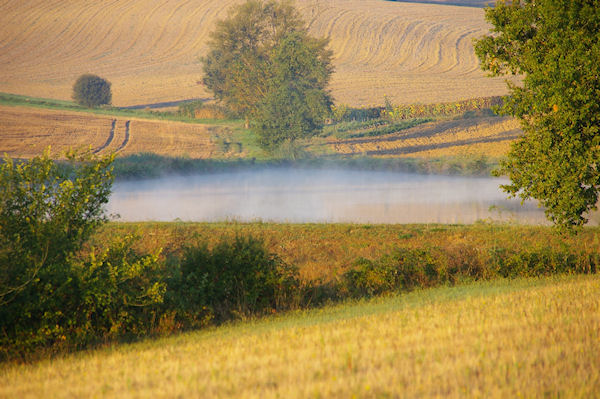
column 300, row 195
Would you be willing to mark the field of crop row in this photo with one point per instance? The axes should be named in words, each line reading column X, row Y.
column 26, row 132
column 517, row 338
column 149, row 49
column 489, row 137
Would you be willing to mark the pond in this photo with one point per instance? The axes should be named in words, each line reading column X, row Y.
column 317, row 195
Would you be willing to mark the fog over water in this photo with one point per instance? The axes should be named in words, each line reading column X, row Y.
column 316, row 195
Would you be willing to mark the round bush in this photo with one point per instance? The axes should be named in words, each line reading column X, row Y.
column 91, row 91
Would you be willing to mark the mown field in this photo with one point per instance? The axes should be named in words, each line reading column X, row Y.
column 507, row 338
column 149, row 49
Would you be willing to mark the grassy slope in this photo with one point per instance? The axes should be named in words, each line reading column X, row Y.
column 520, row 338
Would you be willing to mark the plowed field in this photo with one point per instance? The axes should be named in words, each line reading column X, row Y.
column 149, row 49
column 477, row 136
column 26, row 132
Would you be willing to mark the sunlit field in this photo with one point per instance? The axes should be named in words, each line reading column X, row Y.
column 149, row 49
column 27, row 132
column 517, row 338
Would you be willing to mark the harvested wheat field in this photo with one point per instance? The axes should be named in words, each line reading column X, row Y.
column 477, row 136
column 28, row 131
column 149, row 49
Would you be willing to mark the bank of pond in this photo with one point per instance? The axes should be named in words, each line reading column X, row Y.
column 135, row 280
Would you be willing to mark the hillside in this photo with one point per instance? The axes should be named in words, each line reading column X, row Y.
column 511, row 338
column 149, row 49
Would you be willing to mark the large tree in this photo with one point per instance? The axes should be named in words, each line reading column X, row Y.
column 296, row 103
column 263, row 64
column 555, row 46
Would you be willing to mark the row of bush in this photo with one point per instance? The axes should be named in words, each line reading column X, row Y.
column 116, row 293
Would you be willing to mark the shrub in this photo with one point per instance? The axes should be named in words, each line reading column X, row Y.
column 52, row 296
column 91, row 91
column 237, row 277
column 406, row 268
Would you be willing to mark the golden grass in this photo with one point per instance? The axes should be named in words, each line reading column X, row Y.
column 26, row 132
column 477, row 136
column 149, row 49
column 525, row 338
column 325, row 251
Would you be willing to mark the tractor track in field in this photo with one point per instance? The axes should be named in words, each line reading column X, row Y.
column 110, row 138
column 127, row 135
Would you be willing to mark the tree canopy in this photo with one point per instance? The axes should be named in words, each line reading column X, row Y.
column 555, row 46
column 91, row 91
column 263, row 64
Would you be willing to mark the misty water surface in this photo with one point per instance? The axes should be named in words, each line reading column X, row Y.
column 311, row 195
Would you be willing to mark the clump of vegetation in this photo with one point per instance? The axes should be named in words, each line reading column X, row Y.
column 51, row 296
column 236, row 277
column 200, row 110
column 92, row 91
column 408, row 268
column 465, row 107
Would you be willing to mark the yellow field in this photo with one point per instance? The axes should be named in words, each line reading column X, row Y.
column 26, row 132
column 477, row 136
column 523, row 338
column 149, row 49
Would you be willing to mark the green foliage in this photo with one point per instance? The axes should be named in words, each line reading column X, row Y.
column 91, row 91
column 554, row 46
column 482, row 105
column 237, row 277
column 51, row 297
column 236, row 68
column 406, row 269
column 409, row 268
column 45, row 216
column 263, row 64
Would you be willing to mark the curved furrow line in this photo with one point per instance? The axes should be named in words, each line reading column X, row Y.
column 387, row 43
column 84, row 28
column 29, row 34
column 12, row 17
column 108, row 45
column 181, row 46
column 140, row 27
column 343, row 41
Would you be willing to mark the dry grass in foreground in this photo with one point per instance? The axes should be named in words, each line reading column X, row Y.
column 519, row 338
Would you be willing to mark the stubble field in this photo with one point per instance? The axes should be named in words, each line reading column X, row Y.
column 26, row 132
column 149, row 49
column 517, row 338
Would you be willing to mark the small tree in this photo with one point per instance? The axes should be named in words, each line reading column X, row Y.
column 91, row 91
column 555, row 46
